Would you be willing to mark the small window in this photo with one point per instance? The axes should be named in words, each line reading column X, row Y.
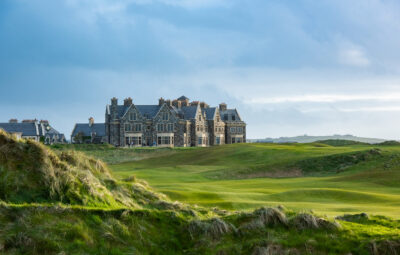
column 233, row 117
column 199, row 117
column 165, row 116
column 132, row 116
column 200, row 141
column 127, row 127
column 239, row 130
column 233, row 130
column 217, row 140
column 160, row 127
column 170, row 127
column 225, row 117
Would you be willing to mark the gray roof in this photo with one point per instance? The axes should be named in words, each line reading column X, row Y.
column 189, row 112
column 148, row 111
column 27, row 129
column 230, row 115
column 210, row 112
column 86, row 130
column 183, row 98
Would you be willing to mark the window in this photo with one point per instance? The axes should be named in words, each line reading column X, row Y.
column 170, row 127
column 127, row 127
column 137, row 140
column 160, row 127
column 165, row 116
column 217, row 140
column 165, row 140
column 138, row 127
column 133, row 141
column 239, row 129
column 200, row 140
column 218, row 119
column 132, row 116
column 233, row 130
column 198, row 128
column 199, row 117
column 225, row 117
column 233, row 139
column 233, row 117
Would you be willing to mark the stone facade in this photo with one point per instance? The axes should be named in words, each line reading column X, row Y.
column 177, row 123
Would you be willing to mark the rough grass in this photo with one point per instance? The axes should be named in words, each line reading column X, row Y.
column 30, row 172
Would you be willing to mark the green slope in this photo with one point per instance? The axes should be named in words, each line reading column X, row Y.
column 329, row 179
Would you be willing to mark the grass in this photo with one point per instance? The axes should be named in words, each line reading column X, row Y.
column 64, row 202
column 333, row 180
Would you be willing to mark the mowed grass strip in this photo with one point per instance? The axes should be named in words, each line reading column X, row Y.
column 222, row 176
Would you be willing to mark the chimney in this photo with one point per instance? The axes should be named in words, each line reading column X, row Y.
column 13, row 121
column 46, row 122
column 161, row 101
column 91, row 121
column 222, row 107
column 114, row 101
column 177, row 103
column 30, row 121
column 168, row 102
column 128, row 101
column 194, row 103
column 204, row 105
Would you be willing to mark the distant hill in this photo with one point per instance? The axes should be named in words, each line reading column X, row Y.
column 311, row 139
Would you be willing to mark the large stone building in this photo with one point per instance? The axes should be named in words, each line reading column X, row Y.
column 172, row 123
column 40, row 131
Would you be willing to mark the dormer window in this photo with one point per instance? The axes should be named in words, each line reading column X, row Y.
column 132, row 116
column 199, row 117
column 233, row 117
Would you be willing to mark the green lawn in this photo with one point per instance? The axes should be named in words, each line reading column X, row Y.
column 333, row 181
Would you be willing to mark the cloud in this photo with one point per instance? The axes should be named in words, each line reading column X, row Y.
column 353, row 57
column 324, row 98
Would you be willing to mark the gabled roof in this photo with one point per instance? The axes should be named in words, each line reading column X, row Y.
column 228, row 114
column 86, row 130
column 27, row 129
column 148, row 111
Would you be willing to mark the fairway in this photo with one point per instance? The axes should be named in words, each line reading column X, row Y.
column 325, row 179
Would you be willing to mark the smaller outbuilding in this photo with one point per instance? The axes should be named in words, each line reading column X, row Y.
column 89, row 132
column 40, row 131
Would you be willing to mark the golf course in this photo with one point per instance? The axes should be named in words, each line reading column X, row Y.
column 328, row 178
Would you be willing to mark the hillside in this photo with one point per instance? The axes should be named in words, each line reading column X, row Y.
column 62, row 202
column 311, row 139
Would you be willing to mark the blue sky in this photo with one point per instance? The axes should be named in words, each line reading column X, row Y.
column 291, row 67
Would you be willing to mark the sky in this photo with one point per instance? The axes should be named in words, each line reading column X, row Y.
column 290, row 67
